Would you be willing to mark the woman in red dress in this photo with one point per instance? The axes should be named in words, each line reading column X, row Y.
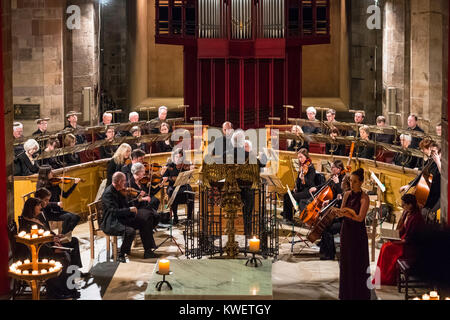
column 354, row 257
column 410, row 222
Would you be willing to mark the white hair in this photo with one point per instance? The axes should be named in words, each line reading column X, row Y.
column 160, row 110
column 311, row 110
column 17, row 125
column 238, row 139
column 107, row 114
column 133, row 114
column 406, row 137
column 136, row 167
column 31, row 144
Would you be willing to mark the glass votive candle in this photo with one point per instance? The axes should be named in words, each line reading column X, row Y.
column 27, row 236
column 12, row 269
column 27, row 261
column 35, row 272
column 46, row 233
column 18, row 263
column 51, row 269
column 34, row 236
column 44, row 271
column 434, row 295
column 25, row 272
column 41, row 232
column 22, row 234
column 416, row 298
column 44, row 260
column 34, row 229
column 425, row 297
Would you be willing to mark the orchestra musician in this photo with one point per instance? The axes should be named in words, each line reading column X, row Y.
column 108, row 151
column 120, row 219
column 170, row 172
column 295, row 145
column 72, row 119
column 42, row 125
column 403, row 160
column 359, row 120
column 137, row 156
column 334, row 149
column 24, row 164
column 305, row 181
column 412, row 126
column 106, row 121
column 430, row 149
column 70, row 159
column 167, row 145
column 410, row 223
column 56, row 287
column 55, row 212
column 18, row 134
column 382, row 137
column 310, row 129
column 156, row 123
column 137, row 132
column 117, row 161
column 366, row 151
column 54, row 162
column 354, row 254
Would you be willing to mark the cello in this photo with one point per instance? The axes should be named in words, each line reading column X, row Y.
column 312, row 211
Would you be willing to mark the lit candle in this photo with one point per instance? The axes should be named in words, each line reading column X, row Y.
column 434, row 295
column 52, row 261
column 18, row 263
column 44, row 260
column 34, row 229
column 41, row 232
column 58, row 264
column 164, row 266
column 18, row 271
column 12, row 269
column 26, row 272
column 425, row 297
column 35, row 272
column 27, row 236
column 416, row 298
column 57, row 268
column 51, row 269
column 43, row 271
column 447, row 298
column 27, row 261
column 22, row 234
column 46, row 233
column 254, row 245
column 34, row 236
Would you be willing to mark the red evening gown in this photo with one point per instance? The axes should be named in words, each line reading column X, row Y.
column 354, row 260
column 392, row 251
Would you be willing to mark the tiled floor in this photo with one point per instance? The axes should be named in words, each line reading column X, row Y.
column 294, row 276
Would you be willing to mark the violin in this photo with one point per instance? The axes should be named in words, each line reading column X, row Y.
column 130, row 192
column 63, row 180
column 304, row 169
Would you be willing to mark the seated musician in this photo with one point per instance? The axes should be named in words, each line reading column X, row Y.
column 42, row 125
column 338, row 185
column 410, row 222
column 155, row 124
column 413, row 126
column 429, row 148
column 310, row 129
column 47, row 180
column 334, row 149
column 106, row 119
column 136, row 132
column 367, row 151
column 137, row 156
column 403, row 160
column 72, row 120
column 305, row 181
column 117, row 161
column 24, row 164
column 119, row 219
column 108, row 151
column 382, row 137
column 359, row 120
column 295, row 145
column 167, row 145
column 70, row 159
column 54, row 162
column 18, row 134
column 170, row 173
column 147, row 194
column 57, row 287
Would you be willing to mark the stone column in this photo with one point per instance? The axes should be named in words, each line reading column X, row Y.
column 396, row 59
column 427, row 61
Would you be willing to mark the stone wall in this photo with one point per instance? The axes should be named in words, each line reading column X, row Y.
column 37, row 58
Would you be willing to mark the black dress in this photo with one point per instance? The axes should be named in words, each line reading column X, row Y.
column 415, row 142
column 112, row 168
column 80, row 137
column 354, row 260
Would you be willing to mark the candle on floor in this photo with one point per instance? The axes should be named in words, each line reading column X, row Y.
column 34, row 229
column 254, row 245
column 416, row 298
column 164, row 266
column 425, row 297
column 434, row 295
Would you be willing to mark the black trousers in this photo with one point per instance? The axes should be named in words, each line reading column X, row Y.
column 248, row 199
column 327, row 247
column 70, row 220
column 182, row 198
column 142, row 222
column 287, row 204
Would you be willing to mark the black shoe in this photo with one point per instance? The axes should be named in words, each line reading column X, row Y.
column 59, row 296
column 150, row 255
column 122, row 258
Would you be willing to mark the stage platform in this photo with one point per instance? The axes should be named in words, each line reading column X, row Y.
column 213, row 279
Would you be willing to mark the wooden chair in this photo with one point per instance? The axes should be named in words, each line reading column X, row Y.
column 54, row 225
column 94, row 218
column 406, row 280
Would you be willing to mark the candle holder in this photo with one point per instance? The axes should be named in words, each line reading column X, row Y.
column 164, row 281
column 253, row 261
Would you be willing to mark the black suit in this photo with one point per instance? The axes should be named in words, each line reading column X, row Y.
column 415, row 142
column 24, row 167
column 402, row 160
column 118, row 220
column 107, row 151
column 80, row 137
column 111, row 169
column 71, row 159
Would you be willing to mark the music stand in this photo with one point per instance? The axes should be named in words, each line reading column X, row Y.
column 294, row 233
column 274, row 187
